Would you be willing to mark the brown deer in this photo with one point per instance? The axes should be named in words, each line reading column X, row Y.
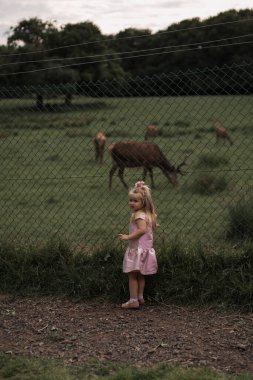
column 132, row 154
column 221, row 132
column 151, row 132
column 99, row 142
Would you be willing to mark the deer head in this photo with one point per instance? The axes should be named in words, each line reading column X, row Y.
column 172, row 174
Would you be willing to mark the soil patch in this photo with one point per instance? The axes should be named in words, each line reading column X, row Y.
column 79, row 332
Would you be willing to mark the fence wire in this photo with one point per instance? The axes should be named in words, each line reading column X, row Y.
column 54, row 183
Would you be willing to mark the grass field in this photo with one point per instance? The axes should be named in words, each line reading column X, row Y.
column 28, row 368
column 50, row 184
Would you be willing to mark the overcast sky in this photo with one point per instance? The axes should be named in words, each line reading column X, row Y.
column 112, row 16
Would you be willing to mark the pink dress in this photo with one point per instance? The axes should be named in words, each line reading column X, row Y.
column 140, row 254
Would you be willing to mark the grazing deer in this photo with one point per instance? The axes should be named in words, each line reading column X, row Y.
column 99, row 142
column 221, row 132
column 132, row 154
column 151, row 131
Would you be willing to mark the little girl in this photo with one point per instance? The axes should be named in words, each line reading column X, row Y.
column 139, row 258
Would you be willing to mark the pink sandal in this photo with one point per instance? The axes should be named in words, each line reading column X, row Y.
column 130, row 305
column 141, row 301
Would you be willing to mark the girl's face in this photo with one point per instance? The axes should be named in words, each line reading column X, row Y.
column 135, row 202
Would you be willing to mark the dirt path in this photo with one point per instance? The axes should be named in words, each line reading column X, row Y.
column 81, row 332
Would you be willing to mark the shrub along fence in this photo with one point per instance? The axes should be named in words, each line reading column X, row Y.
column 54, row 185
column 194, row 274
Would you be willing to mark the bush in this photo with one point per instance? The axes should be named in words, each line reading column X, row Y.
column 209, row 184
column 240, row 226
column 210, row 161
column 194, row 274
column 200, row 274
column 55, row 269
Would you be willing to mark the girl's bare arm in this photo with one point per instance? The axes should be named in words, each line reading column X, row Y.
column 141, row 229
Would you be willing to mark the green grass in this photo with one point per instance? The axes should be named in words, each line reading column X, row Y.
column 196, row 274
column 21, row 368
column 240, row 225
column 50, row 184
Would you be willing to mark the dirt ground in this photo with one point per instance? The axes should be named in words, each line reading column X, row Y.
column 79, row 332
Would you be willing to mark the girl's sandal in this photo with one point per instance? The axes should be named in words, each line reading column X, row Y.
column 130, row 305
column 141, row 301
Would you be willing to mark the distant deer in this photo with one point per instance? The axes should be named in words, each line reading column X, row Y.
column 221, row 132
column 151, row 131
column 132, row 154
column 99, row 142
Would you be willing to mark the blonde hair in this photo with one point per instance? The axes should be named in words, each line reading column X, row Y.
column 148, row 205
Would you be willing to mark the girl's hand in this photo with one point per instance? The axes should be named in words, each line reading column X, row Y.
column 123, row 237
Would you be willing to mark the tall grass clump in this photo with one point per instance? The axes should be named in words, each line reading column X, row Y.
column 240, row 225
column 208, row 160
column 200, row 274
column 56, row 269
column 27, row 269
column 208, row 184
column 194, row 274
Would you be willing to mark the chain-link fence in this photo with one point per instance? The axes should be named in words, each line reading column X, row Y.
column 52, row 183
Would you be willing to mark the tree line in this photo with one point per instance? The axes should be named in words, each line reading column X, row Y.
column 40, row 53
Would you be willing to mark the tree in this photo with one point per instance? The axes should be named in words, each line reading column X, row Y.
column 30, row 32
column 82, row 54
column 30, row 39
column 132, row 40
column 86, row 41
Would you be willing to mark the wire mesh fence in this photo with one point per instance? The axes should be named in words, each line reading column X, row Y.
column 55, row 183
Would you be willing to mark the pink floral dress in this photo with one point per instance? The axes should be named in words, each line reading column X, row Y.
column 140, row 254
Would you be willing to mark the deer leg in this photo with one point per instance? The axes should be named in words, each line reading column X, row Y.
column 229, row 140
column 151, row 177
column 145, row 171
column 101, row 153
column 96, row 152
column 144, row 175
column 112, row 171
column 120, row 174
